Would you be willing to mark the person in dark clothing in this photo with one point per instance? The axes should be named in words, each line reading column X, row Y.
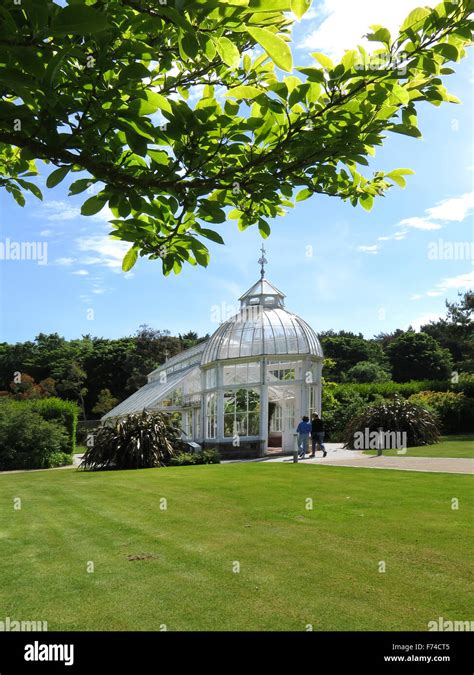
column 317, row 434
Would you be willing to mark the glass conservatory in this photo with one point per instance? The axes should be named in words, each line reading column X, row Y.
column 245, row 389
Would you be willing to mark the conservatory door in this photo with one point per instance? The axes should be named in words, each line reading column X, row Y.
column 284, row 400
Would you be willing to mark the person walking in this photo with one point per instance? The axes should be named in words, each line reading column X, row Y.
column 317, row 434
column 303, row 430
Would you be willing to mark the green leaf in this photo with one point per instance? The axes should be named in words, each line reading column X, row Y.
column 449, row 52
column 80, row 185
column 136, row 142
column 303, row 194
column 159, row 157
column 380, row 34
column 188, row 46
column 244, row 91
column 401, row 94
column 78, row 19
column 406, row 129
column 415, row 17
column 300, row 7
column 399, row 180
column 212, row 235
column 276, row 48
column 200, row 252
column 92, row 206
column 324, row 60
column 366, row 201
column 227, row 51
column 57, row 176
column 154, row 101
column 31, row 187
column 130, row 259
column 263, row 228
column 402, row 172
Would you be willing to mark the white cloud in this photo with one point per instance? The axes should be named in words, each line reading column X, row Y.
column 81, row 273
column 462, row 281
column 423, row 319
column 420, row 223
column 398, row 236
column 54, row 210
column 369, row 249
column 416, row 296
column 459, row 282
column 62, row 211
column 64, row 261
column 108, row 252
column 345, row 23
column 46, row 233
column 454, row 209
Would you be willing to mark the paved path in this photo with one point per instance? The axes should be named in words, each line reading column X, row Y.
column 433, row 464
column 337, row 456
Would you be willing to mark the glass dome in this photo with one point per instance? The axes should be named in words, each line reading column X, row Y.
column 262, row 327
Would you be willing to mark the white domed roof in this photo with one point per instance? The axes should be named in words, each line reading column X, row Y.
column 262, row 327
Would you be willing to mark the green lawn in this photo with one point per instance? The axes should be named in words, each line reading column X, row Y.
column 449, row 446
column 297, row 566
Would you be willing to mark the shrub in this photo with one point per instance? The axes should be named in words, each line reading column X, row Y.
column 414, row 354
column 193, row 458
column 465, row 384
column 27, row 441
column 371, row 391
column 367, row 371
column 454, row 411
column 398, row 415
column 58, row 459
column 63, row 412
column 138, row 441
column 337, row 413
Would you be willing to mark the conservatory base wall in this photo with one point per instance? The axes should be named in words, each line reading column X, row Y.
column 246, row 449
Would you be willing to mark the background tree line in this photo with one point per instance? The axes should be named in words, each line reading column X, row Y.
column 99, row 372
column 95, row 372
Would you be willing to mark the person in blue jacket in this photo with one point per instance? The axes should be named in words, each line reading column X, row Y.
column 303, row 430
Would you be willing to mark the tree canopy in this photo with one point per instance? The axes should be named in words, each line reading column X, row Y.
column 181, row 115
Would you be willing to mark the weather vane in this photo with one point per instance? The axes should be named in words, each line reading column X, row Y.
column 262, row 261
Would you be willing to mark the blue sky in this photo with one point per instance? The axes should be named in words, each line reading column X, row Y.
column 340, row 267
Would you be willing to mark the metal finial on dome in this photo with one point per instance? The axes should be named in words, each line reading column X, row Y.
column 262, row 261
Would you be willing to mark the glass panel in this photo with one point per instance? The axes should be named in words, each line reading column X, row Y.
column 254, row 424
column 211, row 378
column 192, row 384
column 188, row 423
column 254, row 372
column 241, row 412
column 197, row 419
column 276, row 422
column 241, row 400
column 178, row 396
column 229, row 425
column 211, row 415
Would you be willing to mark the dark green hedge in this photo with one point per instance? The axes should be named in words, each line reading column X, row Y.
column 343, row 402
column 57, row 410
column 29, row 441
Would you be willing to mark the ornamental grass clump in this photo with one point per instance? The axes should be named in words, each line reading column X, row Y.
column 397, row 416
column 138, row 441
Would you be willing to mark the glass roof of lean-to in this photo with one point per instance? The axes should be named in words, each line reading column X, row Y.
column 263, row 326
column 148, row 396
